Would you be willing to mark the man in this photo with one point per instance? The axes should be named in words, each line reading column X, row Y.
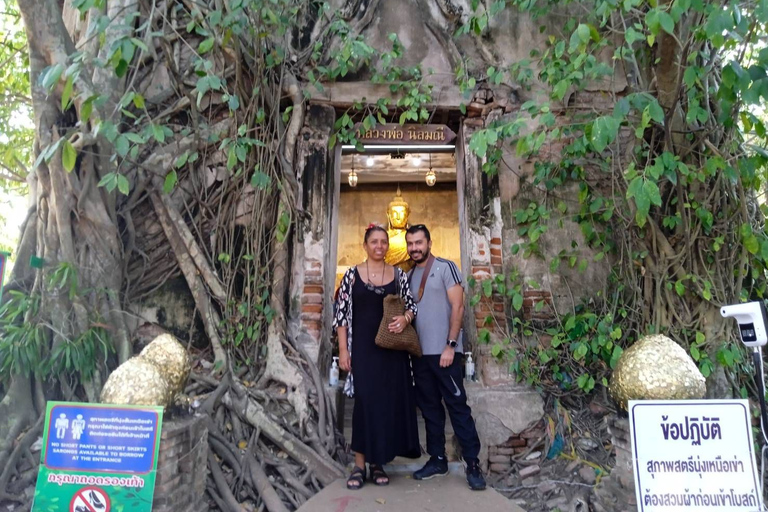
column 438, row 373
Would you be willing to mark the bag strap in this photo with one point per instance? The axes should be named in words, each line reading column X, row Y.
column 423, row 277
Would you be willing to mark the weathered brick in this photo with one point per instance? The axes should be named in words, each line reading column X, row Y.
column 313, row 288
column 311, row 316
column 534, row 433
column 500, row 459
column 514, row 442
column 499, row 468
column 504, row 451
column 495, row 241
column 311, row 308
column 530, row 471
column 311, row 298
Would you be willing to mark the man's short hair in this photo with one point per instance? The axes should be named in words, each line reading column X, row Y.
column 419, row 227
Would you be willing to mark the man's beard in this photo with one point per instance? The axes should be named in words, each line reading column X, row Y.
column 423, row 256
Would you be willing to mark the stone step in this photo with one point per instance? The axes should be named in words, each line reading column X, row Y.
column 403, row 494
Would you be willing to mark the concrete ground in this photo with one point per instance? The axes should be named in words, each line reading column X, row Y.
column 403, row 494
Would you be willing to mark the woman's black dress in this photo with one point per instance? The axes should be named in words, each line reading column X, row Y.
column 384, row 417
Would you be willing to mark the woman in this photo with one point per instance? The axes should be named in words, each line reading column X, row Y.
column 384, row 417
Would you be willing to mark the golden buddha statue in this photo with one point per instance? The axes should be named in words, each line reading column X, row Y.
column 397, row 214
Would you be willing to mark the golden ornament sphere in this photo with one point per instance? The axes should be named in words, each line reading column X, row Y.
column 136, row 382
column 171, row 358
column 656, row 368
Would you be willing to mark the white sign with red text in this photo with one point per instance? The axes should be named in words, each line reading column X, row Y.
column 693, row 455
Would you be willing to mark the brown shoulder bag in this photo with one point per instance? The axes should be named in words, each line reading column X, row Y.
column 408, row 339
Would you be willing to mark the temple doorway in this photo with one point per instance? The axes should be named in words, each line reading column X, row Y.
column 397, row 187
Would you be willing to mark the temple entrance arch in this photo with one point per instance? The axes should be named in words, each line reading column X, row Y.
column 461, row 190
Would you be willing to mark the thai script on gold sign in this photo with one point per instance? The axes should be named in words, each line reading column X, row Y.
column 406, row 134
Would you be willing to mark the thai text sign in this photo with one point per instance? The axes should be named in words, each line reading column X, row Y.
column 97, row 457
column 430, row 134
column 693, row 455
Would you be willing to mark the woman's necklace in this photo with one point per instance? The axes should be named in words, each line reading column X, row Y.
column 372, row 275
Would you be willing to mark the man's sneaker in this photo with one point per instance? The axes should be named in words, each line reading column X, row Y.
column 435, row 466
column 475, row 477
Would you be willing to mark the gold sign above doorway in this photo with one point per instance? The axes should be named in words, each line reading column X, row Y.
column 406, row 134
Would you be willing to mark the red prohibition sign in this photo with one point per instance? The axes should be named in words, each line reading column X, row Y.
column 90, row 499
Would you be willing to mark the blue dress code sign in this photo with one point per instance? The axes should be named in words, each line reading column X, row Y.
column 114, row 440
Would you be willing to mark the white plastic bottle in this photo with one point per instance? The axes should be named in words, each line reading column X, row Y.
column 469, row 368
column 333, row 379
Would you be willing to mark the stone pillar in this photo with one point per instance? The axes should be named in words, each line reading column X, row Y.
column 480, row 223
column 617, row 490
column 182, row 466
column 309, row 318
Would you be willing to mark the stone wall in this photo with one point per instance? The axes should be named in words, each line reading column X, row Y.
column 182, row 466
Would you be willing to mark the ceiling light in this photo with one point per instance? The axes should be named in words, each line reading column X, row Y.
column 369, row 161
column 416, row 161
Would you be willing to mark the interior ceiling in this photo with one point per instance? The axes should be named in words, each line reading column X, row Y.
column 386, row 169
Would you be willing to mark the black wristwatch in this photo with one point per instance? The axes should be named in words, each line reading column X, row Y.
column 452, row 343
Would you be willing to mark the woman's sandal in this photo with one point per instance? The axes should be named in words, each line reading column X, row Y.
column 356, row 479
column 378, row 475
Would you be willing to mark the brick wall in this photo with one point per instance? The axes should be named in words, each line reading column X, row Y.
column 312, row 299
column 504, row 457
column 537, row 305
column 182, row 466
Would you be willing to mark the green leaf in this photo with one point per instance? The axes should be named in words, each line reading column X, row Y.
column 752, row 244
column 261, row 180
column 206, row 45
column 584, row 33
column 680, row 288
column 122, row 145
column 68, row 155
column 656, row 112
column 158, row 133
column 66, row 95
column 695, row 354
column 700, row 338
column 496, row 350
column 122, row 184
column 487, row 285
column 170, row 181
column 181, row 160
column 651, row 190
column 667, row 23
column 50, row 77
column 138, row 100
column 109, row 181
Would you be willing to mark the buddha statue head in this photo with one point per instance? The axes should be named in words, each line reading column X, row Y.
column 398, row 211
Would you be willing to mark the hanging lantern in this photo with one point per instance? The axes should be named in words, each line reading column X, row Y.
column 431, row 178
column 352, row 174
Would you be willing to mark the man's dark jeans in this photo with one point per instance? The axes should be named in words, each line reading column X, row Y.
column 435, row 385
